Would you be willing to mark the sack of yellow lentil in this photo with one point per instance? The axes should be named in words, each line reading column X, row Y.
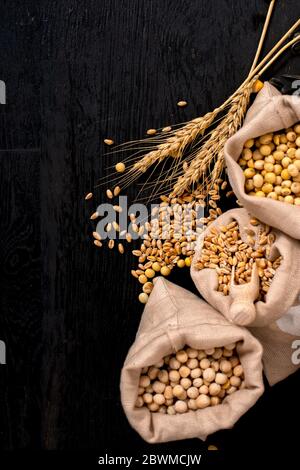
column 281, row 345
column 269, row 113
column 236, row 249
column 174, row 318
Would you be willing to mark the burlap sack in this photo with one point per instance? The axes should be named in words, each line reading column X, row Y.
column 284, row 287
column 270, row 112
column 173, row 318
column 281, row 345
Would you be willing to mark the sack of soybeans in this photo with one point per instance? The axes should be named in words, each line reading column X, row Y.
column 246, row 270
column 263, row 160
column 281, row 345
column 189, row 372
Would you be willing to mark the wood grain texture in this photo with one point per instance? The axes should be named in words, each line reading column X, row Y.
column 78, row 72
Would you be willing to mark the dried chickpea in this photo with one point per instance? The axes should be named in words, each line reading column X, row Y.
column 269, row 178
column 201, row 355
column 203, row 401
column 139, row 402
column 209, row 374
column 295, row 188
column 165, row 271
column 192, row 363
column 256, row 155
column 218, row 353
column 268, row 167
column 267, row 188
column 249, row 172
column 193, row 392
column 234, row 361
column 249, row 184
column 198, row 382
column 174, row 376
column 214, row 389
column 265, row 150
column 178, row 391
column 195, row 373
column 225, row 366
column 192, row 404
column 204, row 363
column 265, row 139
column 289, row 199
column 163, row 376
column 168, row 392
column 180, row 406
column 291, row 136
column 192, row 353
column 259, row 164
column 221, row 379
column 158, row 387
column 235, row 381
column 185, row 383
column 203, row 389
column 174, row 363
column 144, row 381
column 169, row 401
column 156, row 266
column 147, row 397
column 293, row 170
column 159, row 399
column 171, row 410
column 246, row 154
column 285, row 162
column 181, row 356
column 249, row 143
column 238, row 370
column 184, row 371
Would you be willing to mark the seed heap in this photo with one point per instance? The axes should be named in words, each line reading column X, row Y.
column 224, row 248
column 169, row 242
column 191, row 379
column 271, row 166
column 158, row 255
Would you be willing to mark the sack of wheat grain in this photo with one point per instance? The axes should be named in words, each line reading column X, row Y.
column 235, row 243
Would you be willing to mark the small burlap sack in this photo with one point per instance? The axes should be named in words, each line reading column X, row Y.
column 281, row 345
column 173, row 318
column 284, row 286
column 270, row 112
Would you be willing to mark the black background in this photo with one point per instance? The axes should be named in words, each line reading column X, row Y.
column 77, row 72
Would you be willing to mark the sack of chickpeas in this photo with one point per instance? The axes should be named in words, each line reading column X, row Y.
column 281, row 345
column 263, row 160
column 246, row 270
column 189, row 372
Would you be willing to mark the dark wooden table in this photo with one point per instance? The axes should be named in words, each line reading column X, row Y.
column 77, row 72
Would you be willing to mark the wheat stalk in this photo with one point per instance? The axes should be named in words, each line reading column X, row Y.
column 212, row 151
column 175, row 145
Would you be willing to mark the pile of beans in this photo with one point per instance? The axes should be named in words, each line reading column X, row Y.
column 271, row 166
column 224, row 248
column 191, row 379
